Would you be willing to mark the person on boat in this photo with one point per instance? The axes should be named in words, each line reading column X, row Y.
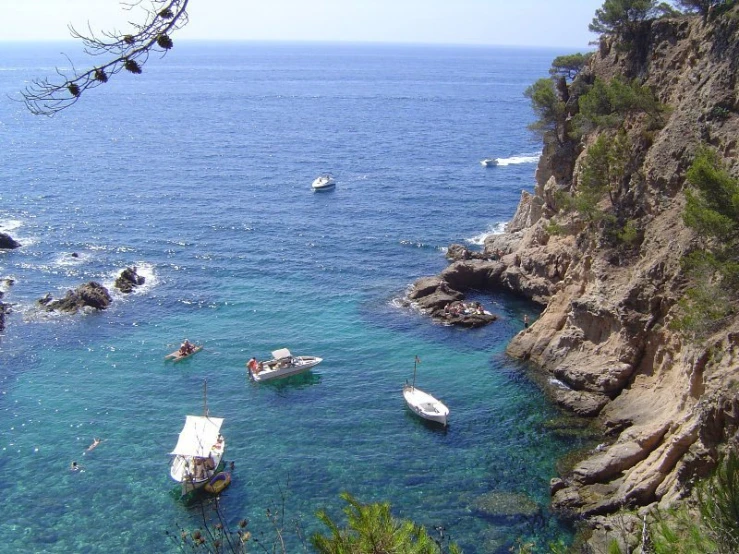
column 199, row 470
column 186, row 348
column 253, row 365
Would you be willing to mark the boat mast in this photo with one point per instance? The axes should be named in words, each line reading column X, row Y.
column 415, row 365
column 205, row 397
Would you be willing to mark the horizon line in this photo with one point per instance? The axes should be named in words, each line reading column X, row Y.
column 590, row 46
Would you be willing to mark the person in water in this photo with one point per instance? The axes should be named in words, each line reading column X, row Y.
column 75, row 467
column 95, row 442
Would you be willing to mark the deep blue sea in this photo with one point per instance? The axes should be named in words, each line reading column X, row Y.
column 198, row 172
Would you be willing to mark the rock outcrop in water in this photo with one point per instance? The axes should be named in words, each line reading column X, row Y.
column 129, row 279
column 91, row 295
column 7, row 242
column 667, row 404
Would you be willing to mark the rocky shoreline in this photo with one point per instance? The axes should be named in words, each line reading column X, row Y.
column 667, row 406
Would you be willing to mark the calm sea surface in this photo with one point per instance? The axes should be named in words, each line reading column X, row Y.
column 198, row 172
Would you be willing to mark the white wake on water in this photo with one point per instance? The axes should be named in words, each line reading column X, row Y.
column 522, row 159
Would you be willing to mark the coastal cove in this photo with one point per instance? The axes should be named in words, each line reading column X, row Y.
column 198, row 173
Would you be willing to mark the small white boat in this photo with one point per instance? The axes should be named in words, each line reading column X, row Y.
column 489, row 162
column 422, row 403
column 198, row 455
column 283, row 364
column 324, row 182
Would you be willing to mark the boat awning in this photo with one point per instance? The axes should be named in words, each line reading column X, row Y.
column 281, row 353
column 198, row 435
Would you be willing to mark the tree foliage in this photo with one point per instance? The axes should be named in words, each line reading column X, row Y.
column 569, row 66
column 619, row 17
column 548, row 107
column 121, row 52
column 607, row 104
column 373, row 530
column 605, row 164
column 704, row 7
column 712, row 210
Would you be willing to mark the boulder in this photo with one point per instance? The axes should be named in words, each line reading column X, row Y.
column 434, row 296
column 90, row 295
column 7, row 242
column 128, row 280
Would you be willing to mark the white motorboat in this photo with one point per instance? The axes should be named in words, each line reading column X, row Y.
column 422, row 403
column 198, row 455
column 324, row 182
column 489, row 162
column 283, row 364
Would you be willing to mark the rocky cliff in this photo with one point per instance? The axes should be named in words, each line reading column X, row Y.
column 667, row 403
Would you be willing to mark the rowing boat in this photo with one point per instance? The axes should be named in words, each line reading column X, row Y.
column 177, row 356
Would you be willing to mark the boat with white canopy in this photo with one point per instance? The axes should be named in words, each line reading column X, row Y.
column 423, row 404
column 282, row 364
column 198, row 455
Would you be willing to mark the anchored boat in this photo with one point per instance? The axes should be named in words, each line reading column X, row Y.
column 422, row 403
column 198, row 455
column 282, row 364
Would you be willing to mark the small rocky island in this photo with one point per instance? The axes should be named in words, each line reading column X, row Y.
column 128, row 280
column 91, row 295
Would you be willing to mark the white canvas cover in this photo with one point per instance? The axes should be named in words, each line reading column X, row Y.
column 198, row 435
column 281, row 353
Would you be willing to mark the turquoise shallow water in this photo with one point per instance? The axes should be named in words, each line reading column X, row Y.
column 199, row 173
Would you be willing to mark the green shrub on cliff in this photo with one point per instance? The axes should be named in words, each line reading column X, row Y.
column 715, row 526
column 712, row 210
column 373, row 530
column 704, row 7
column 607, row 104
column 604, row 171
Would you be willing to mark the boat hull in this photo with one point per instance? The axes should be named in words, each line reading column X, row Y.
column 193, row 474
column 323, row 183
column 424, row 405
column 489, row 162
column 176, row 356
column 278, row 369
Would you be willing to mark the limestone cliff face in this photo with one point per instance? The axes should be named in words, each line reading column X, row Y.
column 667, row 405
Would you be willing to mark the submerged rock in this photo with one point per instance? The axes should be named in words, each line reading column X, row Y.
column 506, row 505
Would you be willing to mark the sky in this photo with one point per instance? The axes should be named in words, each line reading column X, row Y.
column 555, row 23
